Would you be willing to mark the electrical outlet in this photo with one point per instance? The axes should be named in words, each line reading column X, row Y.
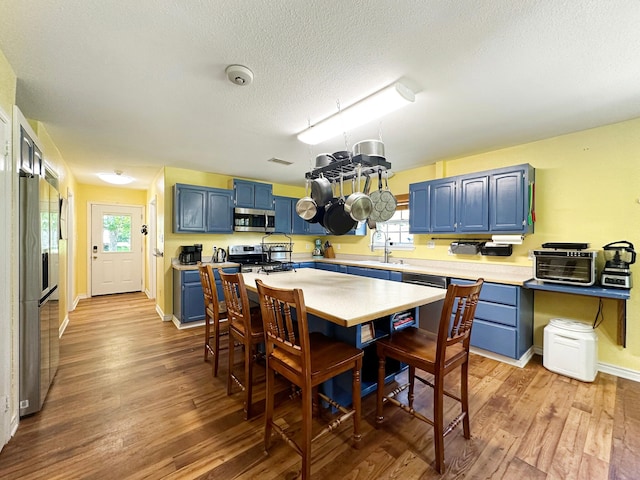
column 449, row 251
column 306, row 246
column 431, row 244
column 530, row 255
column 337, row 246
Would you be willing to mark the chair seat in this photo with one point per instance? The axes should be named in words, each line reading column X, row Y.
column 418, row 347
column 328, row 357
column 257, row 332
column 222, row 309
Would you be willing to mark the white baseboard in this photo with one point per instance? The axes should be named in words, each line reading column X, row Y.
column 621, row 372
column 63, row 327
column 163, row 317
column 520, row 362
column 76, row 301
column 185, row 326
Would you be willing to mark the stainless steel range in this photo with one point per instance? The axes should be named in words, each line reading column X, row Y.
column 259, row 258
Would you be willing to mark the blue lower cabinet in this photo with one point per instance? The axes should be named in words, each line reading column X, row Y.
column 330, row 267
column 504, row 319
column 368, row 272
column 188, row 300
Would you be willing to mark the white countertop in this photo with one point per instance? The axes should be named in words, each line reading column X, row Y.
column 348, row 300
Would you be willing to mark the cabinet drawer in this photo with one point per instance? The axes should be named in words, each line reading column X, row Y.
column 189, row 276
column 497, row 313
column 495, row 338
column 495, row 292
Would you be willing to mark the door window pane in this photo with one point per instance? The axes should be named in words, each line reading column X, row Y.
column 116, row 233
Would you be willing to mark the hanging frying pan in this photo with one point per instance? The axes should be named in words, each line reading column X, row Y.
column 359, row 205
column 306, row 208
column 336, row 220
column 321, row 191
column 387, row 205
column 375, row 200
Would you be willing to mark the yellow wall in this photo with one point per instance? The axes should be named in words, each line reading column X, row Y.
column 85, row 195
column 7, row 85
column 587, row 190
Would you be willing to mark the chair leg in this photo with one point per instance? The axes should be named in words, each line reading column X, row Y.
column 207, row 336
column 231, row 360
column 305, row 444
column 216, row 346
column 438, row 419
column 248, row 381
column 412, row 382
column 356, row 392
column 464, row 397
column 268, row 408
column 380, row 389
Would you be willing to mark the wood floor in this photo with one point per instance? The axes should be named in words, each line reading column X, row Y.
column 133, row 399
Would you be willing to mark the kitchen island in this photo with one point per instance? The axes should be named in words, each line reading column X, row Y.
column 356, row 310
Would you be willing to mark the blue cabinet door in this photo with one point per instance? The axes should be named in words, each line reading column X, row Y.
column 314, row 229
column 473, row 204
column 243, row 193
column 419, row 207
column 192, row 302
column 284, row 207
column 507, row 213
column 442, row 203
column 263, row 196
column 219, row 211
column 189, row 209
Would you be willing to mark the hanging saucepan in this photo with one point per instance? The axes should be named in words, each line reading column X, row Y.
column 372, row 148
column 386, row 207
column 306, row 208
column 359, row 205
column 321, row 191
column 336, row 220
column 324, row 159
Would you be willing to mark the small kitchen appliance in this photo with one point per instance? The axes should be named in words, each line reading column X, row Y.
column 317, row 251
column 618, row 257
column 565, row 263
column 190, row 254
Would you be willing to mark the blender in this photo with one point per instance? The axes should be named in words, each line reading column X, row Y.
column 317, row 251
column 619, row 256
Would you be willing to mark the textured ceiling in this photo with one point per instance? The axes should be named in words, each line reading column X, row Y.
column 137, row 85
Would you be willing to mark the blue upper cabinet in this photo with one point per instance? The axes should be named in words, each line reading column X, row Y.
column 509, row 199
column 419, row 219
column 284, row 207
column 442, row 203
column 219, row 211
column 202, row 210
column 253, row 194
column 473, row 204
column 486, row 202
column 189, row 207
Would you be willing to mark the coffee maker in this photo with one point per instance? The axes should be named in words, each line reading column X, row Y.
column 619, row 256
column 190, row 254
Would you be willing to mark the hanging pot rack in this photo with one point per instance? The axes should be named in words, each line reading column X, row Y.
column 347, row 168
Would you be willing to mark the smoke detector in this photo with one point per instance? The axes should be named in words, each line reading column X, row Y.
column 239, row 74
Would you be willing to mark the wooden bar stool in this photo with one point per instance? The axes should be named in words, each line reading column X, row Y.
column 245, row 326
column 306, row 360
column 214, row 311
column 438, row 354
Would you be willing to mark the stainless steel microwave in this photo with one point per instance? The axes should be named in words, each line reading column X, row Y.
column 254, row 220
column 569, row 267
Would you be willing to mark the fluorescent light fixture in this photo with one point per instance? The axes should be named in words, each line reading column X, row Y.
column 370, row 108
column 115, row 178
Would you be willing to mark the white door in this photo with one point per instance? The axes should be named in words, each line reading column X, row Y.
column 5, row 279
column 116, row 249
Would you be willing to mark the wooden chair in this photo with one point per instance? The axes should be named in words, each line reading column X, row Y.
column 245, row 326
column 214, row 311
column 438, row 355
column 306, row 360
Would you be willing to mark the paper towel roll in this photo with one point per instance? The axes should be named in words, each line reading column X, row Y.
column 510, row 239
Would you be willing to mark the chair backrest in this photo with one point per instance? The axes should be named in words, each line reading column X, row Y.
column 207, row 282
column 236, row 299
column 283, row 328
column 457, row 315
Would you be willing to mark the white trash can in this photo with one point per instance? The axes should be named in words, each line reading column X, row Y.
column 571, row 348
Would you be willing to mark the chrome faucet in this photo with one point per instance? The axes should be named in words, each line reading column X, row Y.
column 387, row 245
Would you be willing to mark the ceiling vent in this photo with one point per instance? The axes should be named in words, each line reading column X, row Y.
column 280, row 161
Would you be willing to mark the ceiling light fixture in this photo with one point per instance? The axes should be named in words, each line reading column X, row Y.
column 115, row 178
column 370, row 108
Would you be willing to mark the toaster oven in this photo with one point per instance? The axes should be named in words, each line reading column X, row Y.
column 569, row 267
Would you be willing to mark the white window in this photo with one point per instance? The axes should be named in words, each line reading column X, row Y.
column 396, row 230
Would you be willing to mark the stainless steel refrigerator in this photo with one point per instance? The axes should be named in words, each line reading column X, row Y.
column 39, row 318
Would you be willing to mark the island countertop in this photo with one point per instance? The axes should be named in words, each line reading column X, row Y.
column 348, row 300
